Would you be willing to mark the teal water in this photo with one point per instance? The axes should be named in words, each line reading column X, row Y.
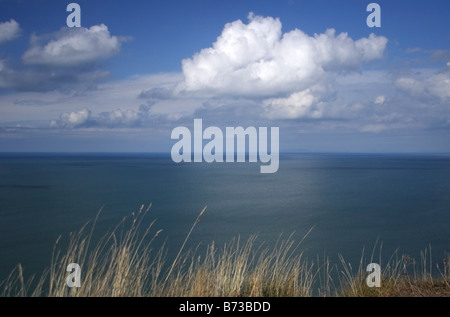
column 350, row 200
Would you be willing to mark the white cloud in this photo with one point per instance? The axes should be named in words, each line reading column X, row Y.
column 432, row 86
column 115, row 119
column 380, row 100
column 119, row 117
column 303, row 104
column 72, row 47
column 256, row 59
column 410, row 85
column 26, row 105
column 72, row 119
column 68, row 59
column 9, row 30
column 439, row 86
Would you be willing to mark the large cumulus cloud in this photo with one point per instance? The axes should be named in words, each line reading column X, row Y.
column 257, row 59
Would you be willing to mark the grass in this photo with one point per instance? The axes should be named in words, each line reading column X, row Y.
column 402, row 276
column 124, row 263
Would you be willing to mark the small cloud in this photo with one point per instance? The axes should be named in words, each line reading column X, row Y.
column 380, row 100
column 143, row 117
column 112, row 119
column 409, row 85
column 72, row 47
column 119, row 117
column 9, row 31
column 303, row 104
column 72, row 119
column 434, row 86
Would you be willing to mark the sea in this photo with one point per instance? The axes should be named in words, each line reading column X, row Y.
column 335, row 205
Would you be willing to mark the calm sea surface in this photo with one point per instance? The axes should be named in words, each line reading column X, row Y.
column 351, row 201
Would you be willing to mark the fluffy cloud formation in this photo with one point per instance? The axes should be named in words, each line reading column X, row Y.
column 435, row 86
column 256, row 59
column 66, row 59
column 144, row 116
column 72, row 119
column 72, row 47
column 119, row 118
column 112, row 119
column 303, row 104
column 9, row 30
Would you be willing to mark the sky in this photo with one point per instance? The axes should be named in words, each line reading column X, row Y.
column 135, row 70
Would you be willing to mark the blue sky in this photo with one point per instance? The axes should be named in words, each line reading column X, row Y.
column 133, row 72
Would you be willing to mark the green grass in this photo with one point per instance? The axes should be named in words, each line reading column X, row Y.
column 124, row 263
